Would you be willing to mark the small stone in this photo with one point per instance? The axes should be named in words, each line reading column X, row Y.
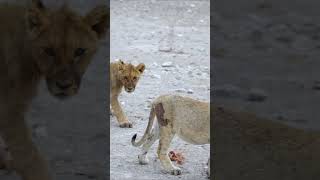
column 165, row 49
column 167, row 64
column 180, row 90
column 316, row 85
column 190, row 91
column 257, row 95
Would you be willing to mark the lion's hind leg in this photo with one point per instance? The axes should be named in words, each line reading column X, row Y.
column 166, row 136
column 153, row 136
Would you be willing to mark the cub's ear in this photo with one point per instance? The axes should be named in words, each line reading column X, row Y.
column 141, row 67
column 98, row 19
column 36, row 17
column 121, row 64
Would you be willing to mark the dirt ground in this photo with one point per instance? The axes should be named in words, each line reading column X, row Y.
column 73, row 134
column 172, row 38
column 266, row 59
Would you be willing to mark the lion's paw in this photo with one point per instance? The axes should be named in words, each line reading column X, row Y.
column 176, row 171
column 143, row 160
column 126, row 125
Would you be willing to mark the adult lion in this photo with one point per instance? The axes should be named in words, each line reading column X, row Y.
column 38, row 43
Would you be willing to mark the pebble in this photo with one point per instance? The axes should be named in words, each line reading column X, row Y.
column 165, row 49
column 167, row 64
column 190, row 91
column 180, row 90
column 257, row 95
column 316, row 85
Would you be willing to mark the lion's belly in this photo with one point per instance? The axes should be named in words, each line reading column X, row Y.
column 192, row 126
column 194, row 137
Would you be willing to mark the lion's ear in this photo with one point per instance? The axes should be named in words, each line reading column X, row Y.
column 121, row 62
column 98, row 19
column 141, row 67
column 36, row 17
column 120, row 66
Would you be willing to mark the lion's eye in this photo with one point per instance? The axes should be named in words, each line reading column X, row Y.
column 79, row 52
column 134, row 78
column 50, row 52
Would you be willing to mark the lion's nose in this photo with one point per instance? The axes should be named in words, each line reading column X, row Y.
column 130, row 88
column 64, row 84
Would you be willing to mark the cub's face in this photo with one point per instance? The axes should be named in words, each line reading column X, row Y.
column 63, row 44
column 129, row 75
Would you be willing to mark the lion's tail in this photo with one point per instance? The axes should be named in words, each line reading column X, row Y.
column 147, row 132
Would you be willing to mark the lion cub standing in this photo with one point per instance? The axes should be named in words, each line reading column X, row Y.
column 123, row 75
column 186, row 117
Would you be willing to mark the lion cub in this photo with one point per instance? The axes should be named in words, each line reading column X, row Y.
column 186, row 117
column 123, row 75
column 39, row 43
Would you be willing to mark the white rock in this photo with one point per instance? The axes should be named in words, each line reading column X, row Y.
column 167, row 64
column 165, row 49
column 180, row 90
column 190, row 91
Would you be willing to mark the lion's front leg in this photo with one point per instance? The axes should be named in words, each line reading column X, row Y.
column 26, row 159
column 117, row 111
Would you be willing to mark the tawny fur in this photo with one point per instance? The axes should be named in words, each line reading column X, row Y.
column 187, row 118
column 123, row 75
column 247, row 147
column 37, row 43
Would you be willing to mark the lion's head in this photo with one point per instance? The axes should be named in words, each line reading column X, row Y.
column 129, row 75
column 63, row 44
